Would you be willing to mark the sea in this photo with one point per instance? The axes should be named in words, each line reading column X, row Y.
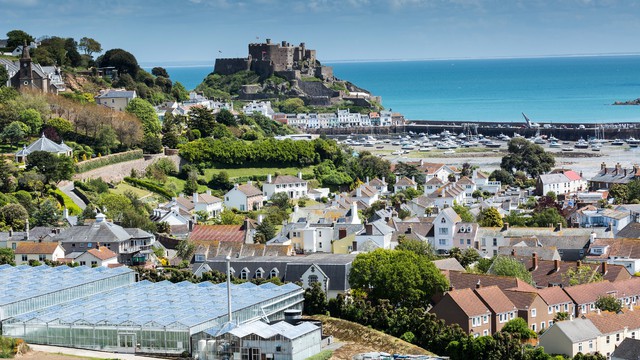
column 577, row 89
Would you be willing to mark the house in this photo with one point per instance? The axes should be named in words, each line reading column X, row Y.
column 564, row 182
column 584, row 296
column 608, row 177
column 467, row 185
column 432, row 185
column 26, row 75
column 431, row 170
column 502, row 309
column 464, row 280
column 375, row 235
column 403, row 183
column 132, row 245
column 37, row 251
column 244, row 197
column 205, row 202
column 465, row 235
column 443, row 227
column 294, row 187
column 43, row 144
column 365, row 193
column 531, row 307
column 484, row 184
column 570, row 337
column 629, row 349
column 557, row 302
column 263, row 108
column 620, row 251
column 115, row 99
column 615, row 327
column 448, row 195
column 590, row 216
column 229, row 233
column 97, row 257
column 463, row 307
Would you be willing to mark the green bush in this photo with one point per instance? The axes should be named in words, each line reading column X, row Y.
column 65, row 201
column 322, row 355
column 95, row 163
column 150, row 186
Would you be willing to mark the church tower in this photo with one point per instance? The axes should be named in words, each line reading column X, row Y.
column 25, row 74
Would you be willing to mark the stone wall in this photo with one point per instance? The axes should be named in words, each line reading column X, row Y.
column 231, row 66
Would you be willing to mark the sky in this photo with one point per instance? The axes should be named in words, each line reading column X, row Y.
column 198, row 31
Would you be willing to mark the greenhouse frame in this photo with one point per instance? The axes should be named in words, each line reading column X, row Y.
column 154, row 318
column 24, row 288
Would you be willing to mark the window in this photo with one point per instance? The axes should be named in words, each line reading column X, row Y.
column 13, row 246
column 590, row 344
column 476, row 321
column 274, row 273
column 42, row 257
column 533, row 312
column 633, row 334
column 444, row 221
column 312, row 279
column 24, row 257
column 485, row 332
column 468, row 241
column 244, row 274
column 259, row 273
column 580, row 347
column 94, row 263
column 83, row 263
column 608, row 339
column 542, row 325
column 443, row 231
column 495, row 242
column 320, row 245
column 550, row 309
column 461, row 241
column 617, row 337
column 485, row 319
column 533, row 327
column 442, row 241
column 90, row 244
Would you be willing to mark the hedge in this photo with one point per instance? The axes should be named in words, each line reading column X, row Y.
column 95, row 163
column 150, row 186
column 66, row 201
column 78, row 190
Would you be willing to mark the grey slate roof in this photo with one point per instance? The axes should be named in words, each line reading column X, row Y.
column 44, row 144
column 554, row 178
column 117, row 94
column 578, row 329
column 632, row 230
column 629, row 349
column 103, row 232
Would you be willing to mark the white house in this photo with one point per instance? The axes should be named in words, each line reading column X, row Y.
column 294, row 187
column 244, row 197
column 197, row 202
column 262, row 107
column 404, row 183
column 560, row 183
column 444, row 226
column 483, row 184
column 432, row 185
column 365, row 193
column 468, row 186
column 37, row 251
column 589, row 216
column 448, row 195
column 101, row 257
column 376, row 235
column 380, row 185
column 116, row 99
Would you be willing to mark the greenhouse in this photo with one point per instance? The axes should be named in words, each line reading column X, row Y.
column 147, row 317
column 24, row 288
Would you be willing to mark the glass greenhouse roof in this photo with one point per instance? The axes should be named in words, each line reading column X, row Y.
column 24, row 282
column 164, row 304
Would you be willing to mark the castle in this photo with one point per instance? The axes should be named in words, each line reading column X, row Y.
column 266, row 59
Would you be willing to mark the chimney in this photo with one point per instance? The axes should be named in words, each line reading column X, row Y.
column 249, row 182
column 369, row 229
column 268, row 41
column 604, row 268
column 268, row 178
column 397, row 179
column 592, row 237
column 367, row 180
column 558, row 227
column 451, row 288
column 65, row 213
column 513, row 252
column 413, row 178
column 409, row 230
column 355, row 219
column 505, row 226
column 598, row 311
column 421, row 162
column 556, row 265
column 195, row 197
column 383, row 180
column 534, row 261
column 342, row 233
column 181, row 195
column 208, row 192
column 618, row 168
column 300, row 175
column 260, row 217
column 478, row 285
column 26, row 229
column 603, row 166
column 358, row 192
column 235, row 186
column 10, row 232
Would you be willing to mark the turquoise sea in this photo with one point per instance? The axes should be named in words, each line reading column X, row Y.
column 552, row 89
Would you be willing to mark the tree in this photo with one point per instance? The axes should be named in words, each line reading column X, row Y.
column 416, row 246
column 179, row 92
column 47, row 214
column 32, row 119
column 7, row 257
column 53, row 167
column 122, row 60
column 185, row 249
column 15, row 132
column 160, row 71
column 201, row 119
column 561, row 316
column 106, row 140
column 528, row 157
column 546, row 217
column 220, row 181
column 582, row 274
column 465, row 257
column 89, row 46
column 281, row 200
column 620, row 193
column 315, row 300
column 265, row 231
column 490, row 217
column 463, row 212
column 505, row 177
column 508, row 266
column 293, row 106
column 191, row 185
column 4, row 76
column 62, row 126
column 14, row 216
column 402, row 277
column 151, row 144
column 144, row 111
column 16, row 38
column 519, row 328
column 225, row 117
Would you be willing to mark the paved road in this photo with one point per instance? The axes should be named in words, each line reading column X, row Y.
column 88, row 353
column 67, row 188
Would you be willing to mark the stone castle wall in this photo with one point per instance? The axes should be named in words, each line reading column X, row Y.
column 231, row 66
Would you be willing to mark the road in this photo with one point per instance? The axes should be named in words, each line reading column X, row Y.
column 67, row 188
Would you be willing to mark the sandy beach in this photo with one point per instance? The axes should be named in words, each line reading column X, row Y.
column 581, row 160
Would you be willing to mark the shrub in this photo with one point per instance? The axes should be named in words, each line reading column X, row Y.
column 150, row 186
column 85, row 166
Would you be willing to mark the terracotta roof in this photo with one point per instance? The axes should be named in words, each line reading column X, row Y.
column 249, row 190
column 377, row 182
column 405, row 181
column 447, row 191
column 209, row 199
column 218, row 232
column 554, row 295
column 618, row 248
column 103, row 253
column 462, row 280
column 495, row 299
column 365, row 190
column 572, row 175
column 588, row 293
column 468, row 302
column 521, row 299
column 33, row 247
column 546, row 272
column 609, row 322
column 435, row 181
column 287, row 179
column 627, row 288
column 481, row 175
column 465, row 181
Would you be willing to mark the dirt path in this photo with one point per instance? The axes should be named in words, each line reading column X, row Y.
column 117, row 172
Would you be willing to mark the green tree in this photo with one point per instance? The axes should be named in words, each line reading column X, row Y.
column 519, row 328
column 402, row 277
column 62, row 126
column 14, row 216
column 620, row 193
column 201, row 119
column 160, row 71
column 416, row 246
column 7, row 257
column 508, row 266
column 53, row 167
column 528, row 157
column 465, row 257
column 281, row 200
column 463, row 212
column 220, row 181
column 151, row 144
column 89, row 46
column 315, row 300
column 144, row 111
column 122, row 60
column 265, row 231
column 293, row 106
column 515, row 219
column 228, row 217
column 15, row 132
column 179, row 92
column 32, row 119
column 561, row 316
column 191, row 185
column 47, row 214
column 106, row 140
column 185, row 249
column 546, row 217
column 490, row 217
column 225, row 117
column 582, row 274
column 16, row 38
column 4, row 76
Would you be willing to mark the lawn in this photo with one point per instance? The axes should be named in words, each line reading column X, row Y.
column 123, row 187
column 69, row 204
column 249, row 171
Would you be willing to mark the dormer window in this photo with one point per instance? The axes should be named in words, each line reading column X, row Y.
column 274, row 273
column 244, row 274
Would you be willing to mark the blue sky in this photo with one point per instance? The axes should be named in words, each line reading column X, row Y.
column 165, row 31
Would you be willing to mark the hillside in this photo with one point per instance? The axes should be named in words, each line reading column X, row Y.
column 360, row 339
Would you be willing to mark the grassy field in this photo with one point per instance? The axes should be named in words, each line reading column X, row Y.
column 243, row 172
column 124, row 187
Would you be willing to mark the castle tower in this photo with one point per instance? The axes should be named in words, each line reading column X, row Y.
column 26, row 73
